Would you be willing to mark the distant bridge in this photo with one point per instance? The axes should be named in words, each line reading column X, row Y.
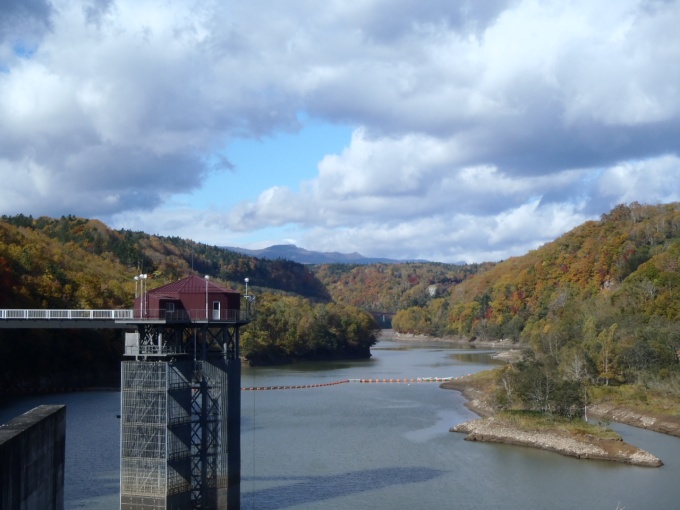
column 384, row 319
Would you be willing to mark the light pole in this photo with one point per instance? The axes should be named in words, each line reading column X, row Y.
column 142, row 286
column 136, row 295
column 248, row 300
column 206, row 296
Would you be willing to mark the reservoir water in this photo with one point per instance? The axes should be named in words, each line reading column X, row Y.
column 373, row 446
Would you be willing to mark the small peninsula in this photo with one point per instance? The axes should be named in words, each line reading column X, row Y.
column 573, row 438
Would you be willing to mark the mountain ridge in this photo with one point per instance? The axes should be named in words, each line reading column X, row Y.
column 296, row 254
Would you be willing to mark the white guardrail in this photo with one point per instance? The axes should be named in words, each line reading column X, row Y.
column 66, row 314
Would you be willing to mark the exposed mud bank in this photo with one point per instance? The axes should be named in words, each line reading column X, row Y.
column 644, row 420
column 494, row 430
column 390, row 334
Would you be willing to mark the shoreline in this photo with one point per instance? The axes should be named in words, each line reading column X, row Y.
column 490, row 428
column 663, row 424
column 509, row 352
column 394, row 336
column 494, row 430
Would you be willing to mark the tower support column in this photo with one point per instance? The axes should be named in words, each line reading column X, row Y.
column 234, row 425
column 181, row 419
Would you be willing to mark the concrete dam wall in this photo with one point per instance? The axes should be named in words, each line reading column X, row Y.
column 32, row 457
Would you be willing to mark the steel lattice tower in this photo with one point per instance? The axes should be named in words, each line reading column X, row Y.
column 181, row 411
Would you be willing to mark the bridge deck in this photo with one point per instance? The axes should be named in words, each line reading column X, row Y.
column 105, row 319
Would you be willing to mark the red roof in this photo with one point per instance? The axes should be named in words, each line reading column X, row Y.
column 189, row 285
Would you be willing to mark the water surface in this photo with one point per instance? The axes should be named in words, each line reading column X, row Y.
column 373, row 446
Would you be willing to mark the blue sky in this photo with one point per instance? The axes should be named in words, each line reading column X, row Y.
column 283, row 159
column 448, row 131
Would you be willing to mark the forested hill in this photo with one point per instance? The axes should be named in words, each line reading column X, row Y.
column 608, row 293
column 392, row 287
column 79, row 263
column 628, row 261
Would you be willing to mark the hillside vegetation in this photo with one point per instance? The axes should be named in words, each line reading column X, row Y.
column 392, row 287
column 600, row 306
column 64, row 259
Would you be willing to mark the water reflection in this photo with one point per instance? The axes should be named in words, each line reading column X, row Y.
column 311, row 489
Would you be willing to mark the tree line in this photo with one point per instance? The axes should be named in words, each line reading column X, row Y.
column 290, row 328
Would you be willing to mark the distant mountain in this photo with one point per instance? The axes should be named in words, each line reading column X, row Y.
column 302, row 256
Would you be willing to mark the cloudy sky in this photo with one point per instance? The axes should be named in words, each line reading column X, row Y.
column 463, row 130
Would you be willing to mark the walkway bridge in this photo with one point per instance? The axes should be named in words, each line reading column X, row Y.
column 119, row 318
column 71, row 319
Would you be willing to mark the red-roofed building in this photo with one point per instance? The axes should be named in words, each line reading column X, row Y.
column 191, row 298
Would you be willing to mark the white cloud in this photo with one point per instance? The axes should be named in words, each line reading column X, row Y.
column 655, row 180
column 480, row 127
column 392, row 180
column 453, row 236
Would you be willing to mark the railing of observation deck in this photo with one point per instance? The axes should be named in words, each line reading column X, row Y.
column 66, row 314
column 133, row 315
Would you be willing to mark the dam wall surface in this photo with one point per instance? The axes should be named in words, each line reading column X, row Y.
column 32, row 457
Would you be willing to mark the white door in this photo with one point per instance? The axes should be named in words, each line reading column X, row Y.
column 216, row 310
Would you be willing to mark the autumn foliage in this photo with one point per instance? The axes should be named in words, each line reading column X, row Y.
column 601, row 304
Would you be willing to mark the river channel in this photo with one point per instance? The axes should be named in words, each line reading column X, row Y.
column 375, row 446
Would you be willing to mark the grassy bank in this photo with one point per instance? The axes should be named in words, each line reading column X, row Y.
column 533, row 421
column 649, row 397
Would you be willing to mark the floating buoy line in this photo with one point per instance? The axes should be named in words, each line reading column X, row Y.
column 334, row 383
column 297, row 387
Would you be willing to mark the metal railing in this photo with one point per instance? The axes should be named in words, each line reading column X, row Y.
column 66, row 314
column 127, row 315
column 234, row 315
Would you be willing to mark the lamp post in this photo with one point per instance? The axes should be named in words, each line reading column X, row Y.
column 136, row 295
column 248, row 299
column 206, row 296
column 142, row 290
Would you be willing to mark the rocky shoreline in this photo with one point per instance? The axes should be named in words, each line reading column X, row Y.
column 494, row 430
column 651, row 421
column 389, row 334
